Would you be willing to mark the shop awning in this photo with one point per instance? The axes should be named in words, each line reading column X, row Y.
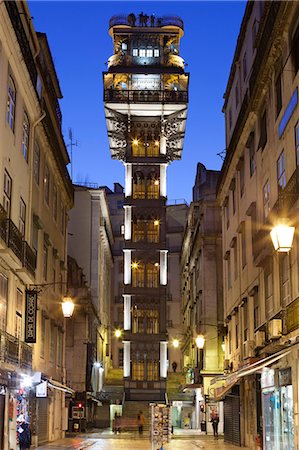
column 61, row 387
column 219, row 392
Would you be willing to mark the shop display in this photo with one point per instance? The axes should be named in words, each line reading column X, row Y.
column 160, row 425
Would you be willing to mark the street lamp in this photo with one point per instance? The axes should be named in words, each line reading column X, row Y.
column 67, row 307
column 200, row 341
column 175, row 343
column 117, row 333
column 282, row 237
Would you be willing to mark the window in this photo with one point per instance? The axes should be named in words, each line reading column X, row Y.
column 22, row 217
column 47, row 184
column 45, row 266
column 153, row 186
column 42, row 336
column 266, row 199
column 226, row 211
column 152, row 275
column 39, row 86
column 7, row 193
column 278, row 94
column 3, row 301
column 297, row 142
column 145, row 321
column 242, row 176
column 237, row 94
column 235, row 260
column 229, row 277
column 120, row 357
column 124, row 46
column 244, row 66
column 268, row 279
column 243, row 244
column 11, row 104
column 245, row 319
column 237, row 328
column 55, row 202
column 156, row 52
column 263, row 130
column 149, row 52
column 36, row 163
column 19, row 312
column 234, row 196
column 62, row 222
column 138, row 275
column 142, row 52
column 252, row 159
column 135, row 52
column 52, row 343
column 256, row 309
column 281, row 174
column 284, row 269
column 34, row 236
column 25, row 137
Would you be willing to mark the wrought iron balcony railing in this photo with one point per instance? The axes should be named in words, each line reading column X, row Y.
column 29, row 258
column 288, row 196
column 14, row 351
column 123, row 19
column 145, row 96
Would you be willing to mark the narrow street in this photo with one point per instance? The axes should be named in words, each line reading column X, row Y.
column 134, row 443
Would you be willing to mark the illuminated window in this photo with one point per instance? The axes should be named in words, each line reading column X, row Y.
column 135, row 51
column 281, row 173
column 138, row 370
column 153, row 148
column 153, row 231
column 7, row 192
column 124, row 46
column 152, row 275
column 142, row 52
column 149, row 52
column 138, row 147
column 156, row 52
column 11, row 104
column 138, row 185
column 25, row 137
column 22, row 217
column 152, row 370
column 138, row 230
column 138, row 275
column 266, row 199
column 153, row 186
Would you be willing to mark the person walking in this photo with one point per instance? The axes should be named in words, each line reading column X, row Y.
column 24, row 433
column 215, row 422
column 140, row 422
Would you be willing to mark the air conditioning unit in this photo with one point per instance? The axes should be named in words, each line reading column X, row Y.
column 275, row 329
column 248, row 349
column 260, row 338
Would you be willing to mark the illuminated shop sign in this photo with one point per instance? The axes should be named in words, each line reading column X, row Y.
column 30, row 316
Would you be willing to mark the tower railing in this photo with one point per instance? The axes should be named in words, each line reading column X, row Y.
column 145, row 96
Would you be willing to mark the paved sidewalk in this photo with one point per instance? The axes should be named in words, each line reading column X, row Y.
column 119, row 443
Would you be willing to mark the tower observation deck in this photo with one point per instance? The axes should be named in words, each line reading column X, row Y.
column 146, row 99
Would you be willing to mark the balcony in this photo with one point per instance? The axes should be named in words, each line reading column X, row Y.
column 9, row 348
column 14, row 15
column 13, row 239
column 288, row 196
column 144, row 96
column 164, row 21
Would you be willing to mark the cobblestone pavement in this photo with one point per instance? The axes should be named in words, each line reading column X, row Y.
column 134, row 443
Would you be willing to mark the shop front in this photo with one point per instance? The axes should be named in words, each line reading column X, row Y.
column 277, row 399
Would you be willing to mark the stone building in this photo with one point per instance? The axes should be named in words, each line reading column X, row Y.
column 36, row 194
column 90, row 244
column 202, row 299
column 258, row 187
column 146, row 97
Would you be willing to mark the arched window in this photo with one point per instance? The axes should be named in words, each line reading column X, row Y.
column 25, row 136
column 138, row 185
column 11, row 103
column 153, row 186
column 138, row 274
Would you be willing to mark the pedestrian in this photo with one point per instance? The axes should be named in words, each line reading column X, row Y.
column 174, row 366
column 140, row 422
column 215, row 422
column 24, row 433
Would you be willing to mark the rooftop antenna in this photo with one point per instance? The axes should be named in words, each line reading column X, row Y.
column 222, row 154
column 71, row 145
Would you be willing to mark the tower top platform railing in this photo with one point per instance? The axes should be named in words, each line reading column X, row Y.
column 145, row 21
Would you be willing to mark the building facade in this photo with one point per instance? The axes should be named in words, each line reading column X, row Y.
column 36, row 194
column 90, row 244
column 146, row 97
column 256, row 190
column 202, row 296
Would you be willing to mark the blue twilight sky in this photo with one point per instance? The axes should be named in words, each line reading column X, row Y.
column 80, row 45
